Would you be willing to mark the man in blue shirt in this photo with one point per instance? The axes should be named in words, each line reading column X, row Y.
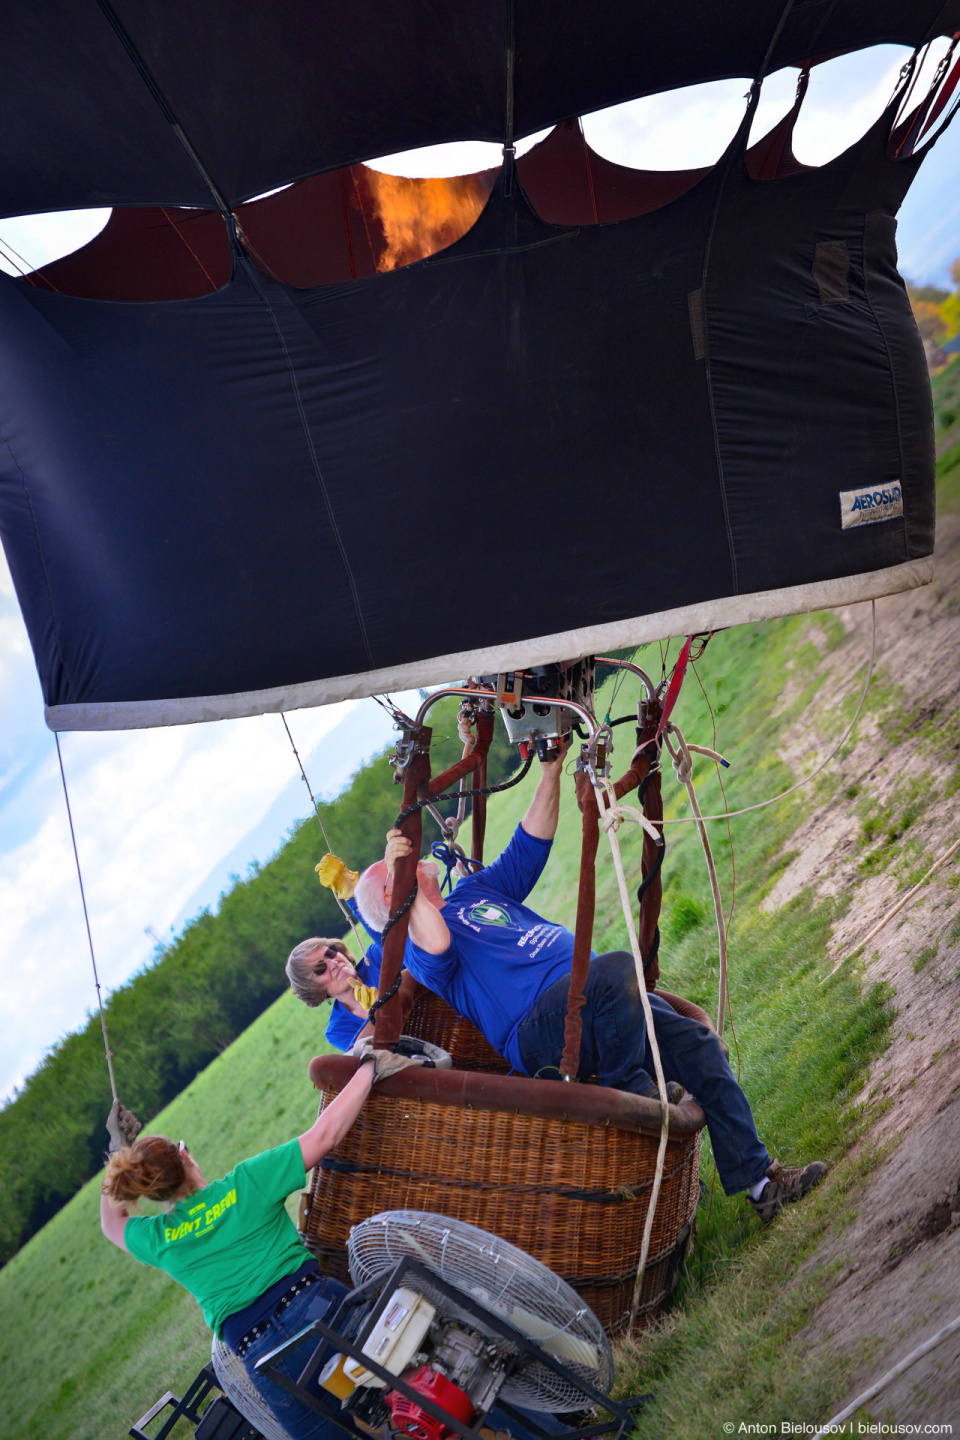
column 507, row 970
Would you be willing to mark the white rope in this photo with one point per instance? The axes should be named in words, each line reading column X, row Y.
column 613, row 818
column 608, row 807
column 86, row 918
column 830, row 1428
column 347, row 914
column 900, row 904
column 683, row 769
column 762, row 804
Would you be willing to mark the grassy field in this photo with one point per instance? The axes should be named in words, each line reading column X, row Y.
column 91, row 1338
column 98, row 1338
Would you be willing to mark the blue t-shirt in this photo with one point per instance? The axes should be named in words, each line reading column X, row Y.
column 343, row 1027
column 502, row 956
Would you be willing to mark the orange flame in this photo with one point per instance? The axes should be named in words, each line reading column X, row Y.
column 420, row 217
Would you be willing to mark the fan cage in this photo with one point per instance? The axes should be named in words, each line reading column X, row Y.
column 507, row 1281
column 243, row 1394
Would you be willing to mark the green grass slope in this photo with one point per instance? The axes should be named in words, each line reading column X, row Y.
column 91, row 1338
column 98, row 1337
column 946, row 405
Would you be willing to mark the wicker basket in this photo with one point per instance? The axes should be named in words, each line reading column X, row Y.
column 563, row 1171
column 432, row 1019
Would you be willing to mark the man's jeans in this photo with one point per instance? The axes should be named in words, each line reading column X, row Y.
column 615, row 1049
column 299, row 1421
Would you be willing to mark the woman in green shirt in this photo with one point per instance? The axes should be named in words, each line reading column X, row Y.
column 231, row 1243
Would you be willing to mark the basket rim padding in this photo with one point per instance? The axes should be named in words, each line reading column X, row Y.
column 520, row 1095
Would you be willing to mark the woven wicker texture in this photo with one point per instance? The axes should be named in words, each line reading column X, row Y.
column 432, row 1019
column 571, row 1194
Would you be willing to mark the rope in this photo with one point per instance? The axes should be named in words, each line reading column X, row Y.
column 762, row 804
column 683, row 769
column 901, row 903
column 611, row 816
column 93, row 959
column 830, row 1428
column 346, row 222
column 657, row 866
column 733, row 861
column 394, row 988
column 180, row 236
column 455, row 794
column 450, row 856
column 346, row 913
column 402, row 722
column 165, row 107
column 27, row 271
column 250, row 270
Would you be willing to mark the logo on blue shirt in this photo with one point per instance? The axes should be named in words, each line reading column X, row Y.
column 486, row 913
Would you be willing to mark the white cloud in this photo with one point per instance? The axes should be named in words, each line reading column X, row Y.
column 30, row 241
column 689, row 128
column 154, row 810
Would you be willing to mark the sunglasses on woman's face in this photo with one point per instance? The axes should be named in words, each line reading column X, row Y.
column 321, row 966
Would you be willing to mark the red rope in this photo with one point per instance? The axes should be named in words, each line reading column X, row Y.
column 177, row 231
column 676, row 680
column 946, row 90
column 18, row 261
column 586, row 157
column 733, row 865
column 363, row 216
column 346, row 224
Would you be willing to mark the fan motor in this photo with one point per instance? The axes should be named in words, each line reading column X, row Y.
column 408, row 1418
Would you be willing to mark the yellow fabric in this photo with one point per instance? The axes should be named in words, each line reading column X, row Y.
column 366, row 994
column 336, row 877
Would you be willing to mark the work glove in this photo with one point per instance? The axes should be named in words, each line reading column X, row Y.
column 432, row 1056
column 388, row 1062
column 123, row 1127
column 336, row 877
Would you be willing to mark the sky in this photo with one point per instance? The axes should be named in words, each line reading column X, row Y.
column 165, row 817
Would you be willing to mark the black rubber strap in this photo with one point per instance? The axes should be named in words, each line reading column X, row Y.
column 455, row 794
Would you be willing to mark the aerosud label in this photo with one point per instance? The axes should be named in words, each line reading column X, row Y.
column 871, row 503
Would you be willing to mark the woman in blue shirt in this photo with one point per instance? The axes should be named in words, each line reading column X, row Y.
column 319, row 969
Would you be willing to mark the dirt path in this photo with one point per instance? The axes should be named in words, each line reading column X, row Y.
column 893, row 810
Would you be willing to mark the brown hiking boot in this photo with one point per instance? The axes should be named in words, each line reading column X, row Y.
column 784, row 1184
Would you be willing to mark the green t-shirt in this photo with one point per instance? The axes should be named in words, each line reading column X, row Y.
column 232, row 1240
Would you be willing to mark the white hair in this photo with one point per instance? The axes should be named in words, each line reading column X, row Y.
column 368, row 894
column 374, row 909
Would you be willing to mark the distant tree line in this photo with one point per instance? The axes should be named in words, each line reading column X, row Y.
column 196, row 996
column 937, row 313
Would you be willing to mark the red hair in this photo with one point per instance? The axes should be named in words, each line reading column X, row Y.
column 152, row 1166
